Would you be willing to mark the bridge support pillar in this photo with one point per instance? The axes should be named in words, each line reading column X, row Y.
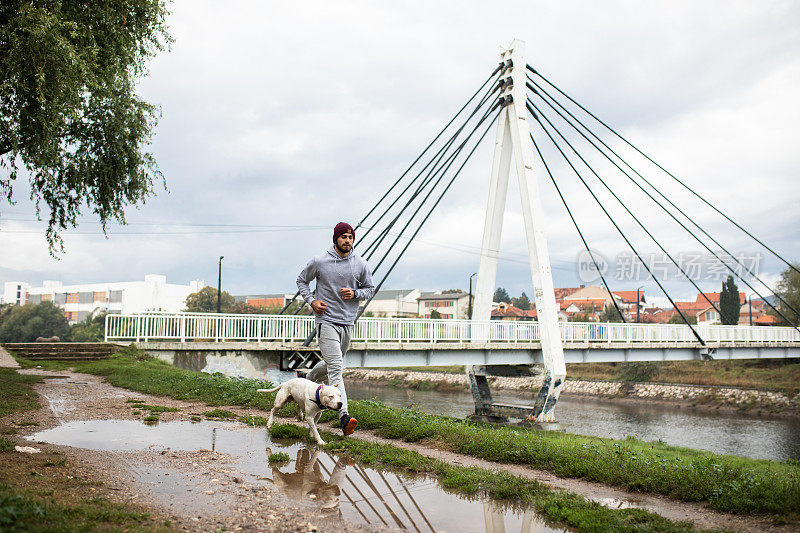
column 487, row 410
column 514, row 136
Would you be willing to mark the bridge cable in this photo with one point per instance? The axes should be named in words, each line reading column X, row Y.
column 449, row 163
column 441, row 171
column 535, row 91
column 575, row 223
column 425, row 219
column 626, row 209
column 492, row 75
column 437, row 157
column 377, row 288
column 535, row 116
column 360, row 223
column 530, row 68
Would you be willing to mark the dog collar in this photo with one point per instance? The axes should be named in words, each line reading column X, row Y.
column 316, row 399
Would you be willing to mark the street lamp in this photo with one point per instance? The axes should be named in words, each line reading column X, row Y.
column 638, row 303
column 219, row 286
column 469, row 308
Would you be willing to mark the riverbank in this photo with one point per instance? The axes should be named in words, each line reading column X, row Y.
column 757, row 401
column 761, row 494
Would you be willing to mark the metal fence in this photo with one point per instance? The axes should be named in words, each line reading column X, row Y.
column 186, row 327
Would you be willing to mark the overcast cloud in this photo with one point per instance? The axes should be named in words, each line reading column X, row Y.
column 278, row 113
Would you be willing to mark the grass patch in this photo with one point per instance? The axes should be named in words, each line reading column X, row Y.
column 53, row 366
column 16, row 394
column 28, row 511
column 137, row 371
column 27, row 423
column 726, row 483
column 278, row 457
column 288, row 431
column 157, row 408
column 8, row 431
column 150, row 418
column 556, row 505
column 220, row 413
column 195, row 418
column 6, row 445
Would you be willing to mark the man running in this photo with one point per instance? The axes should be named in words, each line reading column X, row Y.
column 343, row 279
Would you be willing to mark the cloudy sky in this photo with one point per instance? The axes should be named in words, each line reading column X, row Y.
column 302, row 114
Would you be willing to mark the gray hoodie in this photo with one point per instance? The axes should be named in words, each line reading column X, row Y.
column 333, row 273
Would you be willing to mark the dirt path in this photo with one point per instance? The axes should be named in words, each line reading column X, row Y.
column 201, row 490
column 194, row 490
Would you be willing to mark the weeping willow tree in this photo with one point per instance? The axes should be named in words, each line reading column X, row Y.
column 70, row 118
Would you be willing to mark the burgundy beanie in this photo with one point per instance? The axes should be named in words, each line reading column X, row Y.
column 342, row 228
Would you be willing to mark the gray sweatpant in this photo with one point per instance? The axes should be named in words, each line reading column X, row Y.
column 333, row 343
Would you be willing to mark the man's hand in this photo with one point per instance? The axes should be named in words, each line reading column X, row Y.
column 318, row 306
column 347, row 294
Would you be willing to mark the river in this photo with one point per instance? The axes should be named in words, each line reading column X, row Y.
column 719, row 432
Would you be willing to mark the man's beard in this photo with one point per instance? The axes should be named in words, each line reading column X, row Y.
column 339, row 248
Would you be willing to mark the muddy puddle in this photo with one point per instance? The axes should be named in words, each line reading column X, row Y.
column 312, row 477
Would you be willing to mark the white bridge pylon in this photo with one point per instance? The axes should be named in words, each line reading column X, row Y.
column 513, row 137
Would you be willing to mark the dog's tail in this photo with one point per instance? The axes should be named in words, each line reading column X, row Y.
column 268, row 390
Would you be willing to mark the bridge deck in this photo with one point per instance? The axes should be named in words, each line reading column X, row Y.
column 388, row 354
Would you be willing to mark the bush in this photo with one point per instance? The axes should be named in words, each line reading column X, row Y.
column 90, row 330
column 27, row 322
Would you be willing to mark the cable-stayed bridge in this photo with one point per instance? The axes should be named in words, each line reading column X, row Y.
column 519, row 101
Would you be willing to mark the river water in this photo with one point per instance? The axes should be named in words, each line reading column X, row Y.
column 720, row 432
column 728, row 433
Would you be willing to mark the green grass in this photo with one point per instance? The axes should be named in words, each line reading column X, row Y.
column 157, row 408
column 150, row 418
column 278, row 457
column 289, row 431
column 556, row 505
column 725, row 483
column 220, row 413
column 29, row 512
column 6, row 445
column 16, row 395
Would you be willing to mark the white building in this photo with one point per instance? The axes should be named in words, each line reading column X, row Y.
column 394, row 303
column 82, row 301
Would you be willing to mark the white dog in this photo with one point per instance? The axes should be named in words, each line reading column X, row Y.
column 311, row 400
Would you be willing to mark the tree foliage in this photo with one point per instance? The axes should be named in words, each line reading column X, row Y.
column 90, row 330
column 729, row 304
column 435, row 314
column 205, row 301
column 69, row 114
column 501, row 295
column 789, row 289
column 611, row 314
column 24, row 323
column 677, row 319
column 522, row 302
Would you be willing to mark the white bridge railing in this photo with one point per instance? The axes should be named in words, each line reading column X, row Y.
column 185, row 327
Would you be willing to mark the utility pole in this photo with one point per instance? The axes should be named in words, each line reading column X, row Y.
column 750, row 307
column 219, row 286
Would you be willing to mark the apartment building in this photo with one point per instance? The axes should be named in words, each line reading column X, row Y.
column 448, row 305
column 84, row 300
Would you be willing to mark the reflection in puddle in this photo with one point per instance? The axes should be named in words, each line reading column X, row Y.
column 337, row 485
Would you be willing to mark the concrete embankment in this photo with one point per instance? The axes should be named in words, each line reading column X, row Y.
column 695, row 395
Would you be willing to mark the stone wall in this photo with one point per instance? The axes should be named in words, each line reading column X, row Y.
column 692, row 394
